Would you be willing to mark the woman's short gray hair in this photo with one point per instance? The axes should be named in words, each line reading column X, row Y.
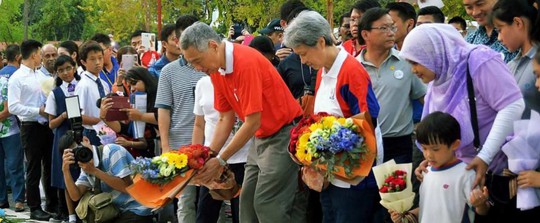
column 306, row 29
column 198, row 35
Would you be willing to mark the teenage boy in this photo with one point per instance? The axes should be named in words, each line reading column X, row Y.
column 446, row 193
column 91, row 88
column 110, row 64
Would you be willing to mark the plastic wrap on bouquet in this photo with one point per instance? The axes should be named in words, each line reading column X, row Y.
column 523, row 152
column 398, row 201
column 223, row 188
column 322, row 140
column 156, row 196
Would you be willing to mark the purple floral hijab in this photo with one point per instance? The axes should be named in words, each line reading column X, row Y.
column 441, row 49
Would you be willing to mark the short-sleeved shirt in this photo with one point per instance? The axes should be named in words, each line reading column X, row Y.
column 44, row 71
column 7, row 71
column 155, row 69
column 480, row 37
column 251, row 84
column 88, row 92
column 297, row 76
column 115, row 162
column 445, row 193
column 521, row 67
column 148, row 56
column 395, row 86
column 204, row 106
column 50, row 107
column 176, row 92
column 9, row 125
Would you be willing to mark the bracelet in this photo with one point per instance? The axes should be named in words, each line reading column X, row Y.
column 222, row 162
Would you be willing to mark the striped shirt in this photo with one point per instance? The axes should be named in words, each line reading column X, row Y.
column 176, row 92
column 115, row 162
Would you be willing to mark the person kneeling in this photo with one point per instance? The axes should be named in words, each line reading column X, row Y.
column 112, row 170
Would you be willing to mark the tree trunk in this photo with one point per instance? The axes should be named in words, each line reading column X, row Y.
column 26, row 11
column 330, row 13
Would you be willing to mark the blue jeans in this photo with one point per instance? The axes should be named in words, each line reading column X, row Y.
column 11, row 155
column 341, row 205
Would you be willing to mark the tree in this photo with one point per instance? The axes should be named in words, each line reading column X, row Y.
column 11, row 28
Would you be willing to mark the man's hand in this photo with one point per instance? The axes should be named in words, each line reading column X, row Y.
column 67, row 159
column 88, row 167
column 529, row 178
column 106, row 104
column 481, row 168
column 42, row 111
column 283, row 53
column 422, row 168
column 210, row 171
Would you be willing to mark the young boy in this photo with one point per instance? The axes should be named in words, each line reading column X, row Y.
column 446, row 193
column 91, row 88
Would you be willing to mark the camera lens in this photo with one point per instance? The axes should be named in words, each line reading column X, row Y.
column 82, row 154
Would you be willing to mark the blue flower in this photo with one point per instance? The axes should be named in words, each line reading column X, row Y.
column 343, row 139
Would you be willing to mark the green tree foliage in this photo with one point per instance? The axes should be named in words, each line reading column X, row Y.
column 11, row 27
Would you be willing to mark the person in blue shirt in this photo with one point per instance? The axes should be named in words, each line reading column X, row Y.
column 13, row 56
column 169, row 41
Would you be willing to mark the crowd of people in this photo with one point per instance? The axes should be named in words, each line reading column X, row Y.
column 439, row 96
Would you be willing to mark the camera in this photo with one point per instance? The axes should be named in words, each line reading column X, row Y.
column 82, row 154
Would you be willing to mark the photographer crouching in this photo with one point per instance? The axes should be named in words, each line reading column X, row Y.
column 101, row 187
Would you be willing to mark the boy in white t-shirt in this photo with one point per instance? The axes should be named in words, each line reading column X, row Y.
column 446, row 193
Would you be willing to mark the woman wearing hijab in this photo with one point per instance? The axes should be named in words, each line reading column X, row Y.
column 440, row 57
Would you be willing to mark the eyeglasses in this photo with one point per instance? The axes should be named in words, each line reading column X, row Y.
column 386, row 29
column 68, row 69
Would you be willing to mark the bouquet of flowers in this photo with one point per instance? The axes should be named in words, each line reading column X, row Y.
column 158, row 180
column 342, row 148
column 395, row 188
column 523, row 154
column 105, row 134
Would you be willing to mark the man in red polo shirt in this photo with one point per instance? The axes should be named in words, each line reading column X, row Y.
column 246, row 84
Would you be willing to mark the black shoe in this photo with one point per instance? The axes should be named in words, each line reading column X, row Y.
column 39, row 215
column 4, row 206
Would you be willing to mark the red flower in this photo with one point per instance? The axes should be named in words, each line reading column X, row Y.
column 395, row 182
column 384, row 189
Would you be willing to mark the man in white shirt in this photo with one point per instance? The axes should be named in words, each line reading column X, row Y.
column 25, row 101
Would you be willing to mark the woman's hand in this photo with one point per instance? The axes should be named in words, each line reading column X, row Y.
column 120, row 77
column 106, row 104
column 133, row 114
column 123, row 142
column 420, row 170
column 481, row 168
column 529, row 178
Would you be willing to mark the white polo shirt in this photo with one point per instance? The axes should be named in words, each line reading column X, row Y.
column 88, row 92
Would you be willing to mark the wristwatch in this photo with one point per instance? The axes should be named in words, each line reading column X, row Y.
column 222, row 162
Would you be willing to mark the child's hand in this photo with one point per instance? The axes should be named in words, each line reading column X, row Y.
column 529, row 178
column 396, row 216
column 479, row 197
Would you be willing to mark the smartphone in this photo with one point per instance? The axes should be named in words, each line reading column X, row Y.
column 148, row 41
column 128, row 61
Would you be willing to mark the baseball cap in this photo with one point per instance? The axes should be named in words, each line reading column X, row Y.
column 272, row 26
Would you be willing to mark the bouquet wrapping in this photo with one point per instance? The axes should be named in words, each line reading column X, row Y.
column 395, row 188
column 523, row 152
column 342, row 148
column 158, row 180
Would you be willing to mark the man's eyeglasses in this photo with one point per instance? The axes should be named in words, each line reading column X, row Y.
column 385, row 29
column 68, row 69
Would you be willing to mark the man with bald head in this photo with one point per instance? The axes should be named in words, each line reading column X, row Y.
column 49, row 53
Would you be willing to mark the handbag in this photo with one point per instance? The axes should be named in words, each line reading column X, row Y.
column 96, row 206
column 501, row 187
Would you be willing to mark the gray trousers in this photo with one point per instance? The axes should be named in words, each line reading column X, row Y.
column 270, row 180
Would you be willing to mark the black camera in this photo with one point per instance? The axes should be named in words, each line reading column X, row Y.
column 82, row 154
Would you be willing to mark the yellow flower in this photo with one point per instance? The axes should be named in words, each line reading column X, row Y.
column 328, row 121
column 182, row 161
column 303, row 154
column 341, row 121
column 315, row 126
column 302, row 142
column 179, row 161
